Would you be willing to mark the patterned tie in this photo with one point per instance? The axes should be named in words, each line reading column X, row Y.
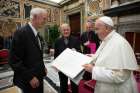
column 38, row 40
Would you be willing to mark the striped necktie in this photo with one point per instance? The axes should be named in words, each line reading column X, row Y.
column 38, row 40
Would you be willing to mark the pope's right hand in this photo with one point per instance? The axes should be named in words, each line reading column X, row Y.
column 88, row 67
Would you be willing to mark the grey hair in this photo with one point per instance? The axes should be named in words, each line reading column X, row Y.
column 37, row 11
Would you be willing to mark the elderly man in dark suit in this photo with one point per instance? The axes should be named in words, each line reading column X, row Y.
column 66, row 41
column 26, row 56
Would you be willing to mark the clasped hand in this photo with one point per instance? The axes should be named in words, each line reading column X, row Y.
column 34, row 82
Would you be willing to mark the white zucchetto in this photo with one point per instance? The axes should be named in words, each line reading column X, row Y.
column 107, row 20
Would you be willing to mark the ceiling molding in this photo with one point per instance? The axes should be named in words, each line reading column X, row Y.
column 64, row 1
column 124, row 9
column 53, row 3
column 47, row 2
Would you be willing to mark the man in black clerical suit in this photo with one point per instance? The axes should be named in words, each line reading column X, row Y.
column 89, row 37
column 66, row 41
column 26, row 56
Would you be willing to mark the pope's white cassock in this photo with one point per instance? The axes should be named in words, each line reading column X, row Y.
column 114, row 66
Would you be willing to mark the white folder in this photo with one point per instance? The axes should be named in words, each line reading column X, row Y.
column 70, row 63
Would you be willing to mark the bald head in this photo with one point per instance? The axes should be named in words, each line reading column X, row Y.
column 64, row 25
column 65, row 30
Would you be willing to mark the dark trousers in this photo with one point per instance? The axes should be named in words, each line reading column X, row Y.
column 26, row 88
column 87, row 76
column 64, row 84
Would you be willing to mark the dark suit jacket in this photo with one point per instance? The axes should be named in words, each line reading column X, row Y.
column 60, row 46
column 26, row 58
column 92, row 37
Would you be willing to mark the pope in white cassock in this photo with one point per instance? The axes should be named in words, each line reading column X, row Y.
column 115, row 61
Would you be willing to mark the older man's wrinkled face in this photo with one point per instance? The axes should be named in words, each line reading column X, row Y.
column 41, row 19
column 65, row 30
column 100, row 29
column 89, row 26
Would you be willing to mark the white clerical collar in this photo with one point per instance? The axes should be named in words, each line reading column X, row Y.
column 109, row 35
column 34, row 30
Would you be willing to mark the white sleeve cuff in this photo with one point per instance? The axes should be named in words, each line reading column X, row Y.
column 108, row 75
column 102, row 74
